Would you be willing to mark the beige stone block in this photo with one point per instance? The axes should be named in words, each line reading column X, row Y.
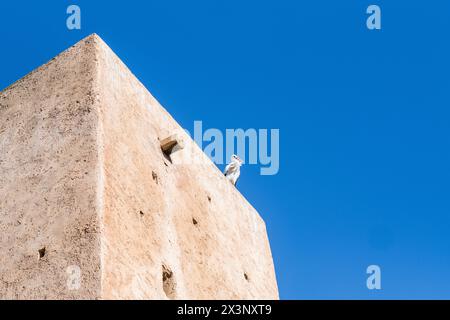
column 90, row 208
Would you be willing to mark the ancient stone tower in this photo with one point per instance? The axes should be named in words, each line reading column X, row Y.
column 103, row 195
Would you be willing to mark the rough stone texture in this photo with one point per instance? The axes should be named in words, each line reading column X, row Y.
column 82, row 174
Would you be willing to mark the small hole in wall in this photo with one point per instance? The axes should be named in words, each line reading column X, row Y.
column 195, row 222
column 170, row 145
column 167, row 154
column 41, row 253
column 246, row 276
column 155, row 177
column 168, row 282
column 209, row 198
column 141, row 213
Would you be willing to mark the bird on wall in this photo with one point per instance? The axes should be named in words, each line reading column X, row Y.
column 233, row 170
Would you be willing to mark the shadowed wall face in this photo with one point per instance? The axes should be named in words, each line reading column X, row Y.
column 139, row 225
column 48, row 177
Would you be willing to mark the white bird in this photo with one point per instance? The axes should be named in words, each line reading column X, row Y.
column 233, row 171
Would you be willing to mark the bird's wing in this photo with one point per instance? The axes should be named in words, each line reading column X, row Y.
column 230, row 169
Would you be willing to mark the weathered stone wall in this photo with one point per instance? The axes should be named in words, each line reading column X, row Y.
column 92, row 186
column 48, row 180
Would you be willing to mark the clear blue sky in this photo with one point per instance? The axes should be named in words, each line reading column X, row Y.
column 363, row 117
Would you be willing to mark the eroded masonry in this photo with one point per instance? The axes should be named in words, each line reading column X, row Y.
column 95, row 203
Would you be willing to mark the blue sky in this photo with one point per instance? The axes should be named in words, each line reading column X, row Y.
column 363, row 118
